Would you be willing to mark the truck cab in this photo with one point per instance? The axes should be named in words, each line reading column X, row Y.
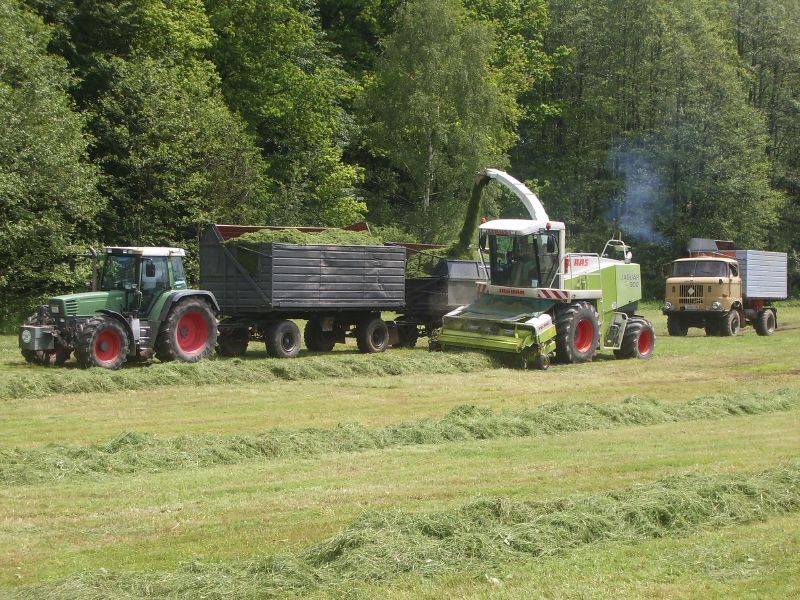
column 139, row 305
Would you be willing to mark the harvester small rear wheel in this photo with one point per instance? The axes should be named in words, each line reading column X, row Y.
column 639, row 340
column 316, row 339
column 576, row 333
column 189, row 334
column 676, row 326
column 541, row 362
column 764, row 322
column 102, row 343
column 233, row 341
column 729, row 324
column 283, row 339
column 372, row 335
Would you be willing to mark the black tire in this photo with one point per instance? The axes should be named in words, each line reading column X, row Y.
column 283, row 339
column 765, row 322
column 408, row 334
column 316, row 339
column 712, row 327
column 189, row 333
column 372, row 335
column 233, row 341
column 576, row 333
column 730, row 324
column 541, row 362
column 676, row 326
column 103, row 342
column 48, row 358
column 639, row 340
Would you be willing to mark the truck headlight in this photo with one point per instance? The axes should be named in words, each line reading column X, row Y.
column 716, row 306
column 667, row 305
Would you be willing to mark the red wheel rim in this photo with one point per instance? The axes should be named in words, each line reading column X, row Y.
column 645, row 342
column 192, row 332
column 584, row 332
column 107, row 346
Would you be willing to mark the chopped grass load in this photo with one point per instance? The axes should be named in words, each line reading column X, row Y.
column 302, row 238
column 385, row 544
column 138, row 452
column 36, row 381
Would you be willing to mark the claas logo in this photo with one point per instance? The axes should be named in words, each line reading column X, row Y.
column 580, row 262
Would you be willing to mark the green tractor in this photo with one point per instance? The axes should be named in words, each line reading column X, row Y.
column 541, row 302
column 139, row 306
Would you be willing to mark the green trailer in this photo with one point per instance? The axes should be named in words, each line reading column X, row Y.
column 540, row 302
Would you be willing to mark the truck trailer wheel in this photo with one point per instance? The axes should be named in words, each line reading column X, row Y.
column 764, row 322
column 233, row 341
column 316, row 339
column 639, row 340
column 189, row 334
column 730, row 324
column 283, row 339
column 102, row 343
column 576, row 333
column 372, row 335
column 676, row 326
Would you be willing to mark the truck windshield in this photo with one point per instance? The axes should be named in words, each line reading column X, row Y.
column 700, row 268
column 119, row 272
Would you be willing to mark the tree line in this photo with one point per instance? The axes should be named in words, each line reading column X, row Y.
column 136, row 121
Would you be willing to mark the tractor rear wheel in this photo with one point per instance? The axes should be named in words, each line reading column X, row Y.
column 233, row 341
column 765, row 322
column 730, row 324
column 189, row 334
column 372, row 335
column 676, row 326
column 639, row 339
column 102, row 343
column 576, row 333
column 283, row 339
column 316, row 339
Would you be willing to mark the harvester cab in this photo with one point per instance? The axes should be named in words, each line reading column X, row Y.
column 541, row 302
column 140, row 305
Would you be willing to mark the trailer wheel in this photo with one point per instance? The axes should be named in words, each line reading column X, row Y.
column 576, row 333
column 676, row 326
column 102, row 343
column 283, row 339
column 639, row 340
column 409, row 335
column 729, row 324
column 372, row 335
column 765, row 322
column 189, row 334
column 316, row 339
column 233, row 341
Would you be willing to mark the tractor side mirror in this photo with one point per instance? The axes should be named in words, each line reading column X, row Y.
column 149, row 269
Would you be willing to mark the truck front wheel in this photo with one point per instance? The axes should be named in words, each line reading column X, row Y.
column 102, row 343
column 765, row 322
column 729, row 324
column 676, row 326
column 189, row 334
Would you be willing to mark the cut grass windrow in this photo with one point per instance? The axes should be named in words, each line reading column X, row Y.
column 382, row 545
column 37, row 381
column 139, row 452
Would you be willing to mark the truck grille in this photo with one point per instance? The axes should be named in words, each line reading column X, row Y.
column 691, row 294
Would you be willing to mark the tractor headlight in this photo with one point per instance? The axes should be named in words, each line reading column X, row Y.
column 716, row 306
column 54, row 309
column 667, row 305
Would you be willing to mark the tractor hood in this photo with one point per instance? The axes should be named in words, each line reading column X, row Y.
column 86, row 304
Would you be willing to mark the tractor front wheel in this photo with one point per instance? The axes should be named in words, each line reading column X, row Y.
column 49, row 358
column 102, row 343
column 576, row 333
column 189, row 334
column 639, row 340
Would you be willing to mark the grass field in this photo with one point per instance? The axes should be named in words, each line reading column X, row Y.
column 407, row 475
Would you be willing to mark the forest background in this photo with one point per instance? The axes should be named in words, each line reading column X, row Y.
column 137, row 121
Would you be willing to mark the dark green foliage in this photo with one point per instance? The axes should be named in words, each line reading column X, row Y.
column 135, row 452
column 48, row 195
column 384, row 544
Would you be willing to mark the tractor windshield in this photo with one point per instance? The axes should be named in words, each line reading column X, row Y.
column 700, row 268
column 119, row 272
column 527, row 261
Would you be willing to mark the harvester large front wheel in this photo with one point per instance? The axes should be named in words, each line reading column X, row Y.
column 189, row 334
column 102, row 343
column 639, row 340
column 576, row 333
